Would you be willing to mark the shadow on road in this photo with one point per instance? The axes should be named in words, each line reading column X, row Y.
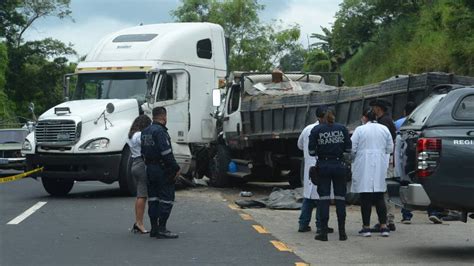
column 464, row 253
column 97, row 194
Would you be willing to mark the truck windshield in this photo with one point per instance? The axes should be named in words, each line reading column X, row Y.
column 111, row 86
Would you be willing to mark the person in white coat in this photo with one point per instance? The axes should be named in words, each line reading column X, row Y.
column 371, row 147
column 310, row 194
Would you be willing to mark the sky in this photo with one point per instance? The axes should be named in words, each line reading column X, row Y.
column 93, row 19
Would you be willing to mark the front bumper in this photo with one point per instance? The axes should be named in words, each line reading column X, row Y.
column 87, row 167
column 414, row 197
column 12, row 163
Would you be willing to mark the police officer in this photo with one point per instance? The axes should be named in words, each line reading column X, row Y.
column 328, row 141
column 162, row 171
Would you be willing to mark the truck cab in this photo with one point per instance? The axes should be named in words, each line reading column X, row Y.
column 128, row 73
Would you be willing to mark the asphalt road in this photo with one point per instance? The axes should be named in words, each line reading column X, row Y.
column 92, row 227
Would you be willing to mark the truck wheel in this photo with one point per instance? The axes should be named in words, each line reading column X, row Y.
column 128, row 185
column 218, row 167
column 57, row 187
column 295, row 178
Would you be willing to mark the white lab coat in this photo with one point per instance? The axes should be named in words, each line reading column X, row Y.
column 310, row 190
column 371, row 148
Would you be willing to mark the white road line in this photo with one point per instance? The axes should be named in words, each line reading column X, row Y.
column 27, row 213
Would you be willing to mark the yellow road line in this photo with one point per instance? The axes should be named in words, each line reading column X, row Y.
column 234, row 207
column 260, row 229
column 301, row 264
column 246, row 217
column 280, row 246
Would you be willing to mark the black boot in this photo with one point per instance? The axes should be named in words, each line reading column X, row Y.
column 166, row 234
column 154, row 227
column 342, row 232
column 323, row 236
column 163, row 232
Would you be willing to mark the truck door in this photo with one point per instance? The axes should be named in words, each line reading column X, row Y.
column 232, row 121
column 172, row 92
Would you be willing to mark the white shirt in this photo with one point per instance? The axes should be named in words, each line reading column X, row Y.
column 371, row 147
column 135, row 144
column 310, row 190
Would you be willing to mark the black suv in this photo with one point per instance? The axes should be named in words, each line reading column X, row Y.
column 439, row 151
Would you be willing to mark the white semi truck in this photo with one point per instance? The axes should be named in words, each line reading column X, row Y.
column 175, row 65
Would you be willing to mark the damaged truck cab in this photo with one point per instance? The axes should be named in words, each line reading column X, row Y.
column 174, row 65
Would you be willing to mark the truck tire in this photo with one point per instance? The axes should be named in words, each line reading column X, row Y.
column 295, row 178
column 57, row 187
column 127, row 183
column 218, row 167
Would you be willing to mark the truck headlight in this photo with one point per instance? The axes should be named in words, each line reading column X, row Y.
column 95, row 144
column 26, row 146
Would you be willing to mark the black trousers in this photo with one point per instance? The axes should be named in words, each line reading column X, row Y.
column 332, row 172
column 160, row 195
column 366, row 202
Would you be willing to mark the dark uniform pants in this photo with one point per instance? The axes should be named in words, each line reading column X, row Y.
column 332, row 171
column 160, row 194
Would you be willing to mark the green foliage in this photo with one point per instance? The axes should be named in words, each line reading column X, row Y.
column 317, row 61
column 437, row 36
column 35, row 69
column 253, row 45
column 359, row 22
column 293, row 61
column 5, row 104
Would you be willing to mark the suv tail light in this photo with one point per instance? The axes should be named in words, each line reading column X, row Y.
column 428, row 151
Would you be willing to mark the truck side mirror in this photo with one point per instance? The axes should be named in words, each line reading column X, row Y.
column 216, row 97
column 67, row 79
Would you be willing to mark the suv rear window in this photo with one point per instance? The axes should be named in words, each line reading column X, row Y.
column 423, row 111
column 465, row 109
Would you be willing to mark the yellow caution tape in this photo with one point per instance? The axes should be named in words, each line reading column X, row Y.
column 19, row 176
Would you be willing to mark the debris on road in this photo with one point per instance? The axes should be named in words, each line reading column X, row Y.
column 246, row 194
column 282, row 199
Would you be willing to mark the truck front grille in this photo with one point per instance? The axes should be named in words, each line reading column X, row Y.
column 57, row 132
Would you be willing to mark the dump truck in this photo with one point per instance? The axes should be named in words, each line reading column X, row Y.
column 262, row 119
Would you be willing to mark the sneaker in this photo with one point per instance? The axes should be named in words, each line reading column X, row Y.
column 330, row 230
column 375, row 229
column 385, row 232
column 435, row 219
column 391, row 227
column 365, row 232
column 303, row 229
column 406, row 221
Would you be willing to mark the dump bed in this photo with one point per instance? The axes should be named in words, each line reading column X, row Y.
column 269, row 114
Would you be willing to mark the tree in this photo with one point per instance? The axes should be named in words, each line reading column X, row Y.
column 317, row 61
column 35, row 68
column 17, row 16
column 5, row 104
column 357, row 23
column 253, row 45
column 293, row 60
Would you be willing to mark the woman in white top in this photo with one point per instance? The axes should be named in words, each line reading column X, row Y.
column 371, row 148
column 138, row 170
